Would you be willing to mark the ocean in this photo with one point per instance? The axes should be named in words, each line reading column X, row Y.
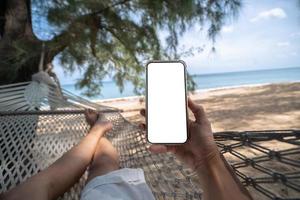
column 110, row 90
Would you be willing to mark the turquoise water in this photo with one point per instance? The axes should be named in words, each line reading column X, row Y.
column 208, row 81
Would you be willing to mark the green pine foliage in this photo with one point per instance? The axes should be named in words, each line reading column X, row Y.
column 117, row 37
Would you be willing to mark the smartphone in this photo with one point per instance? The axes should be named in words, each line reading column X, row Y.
column 166, row 102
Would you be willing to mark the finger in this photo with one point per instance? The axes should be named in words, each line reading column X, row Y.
column 143, row 112
column 157, row 148
column 171, row 148
column 198, row 110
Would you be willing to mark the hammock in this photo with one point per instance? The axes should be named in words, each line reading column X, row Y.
column 38, row 124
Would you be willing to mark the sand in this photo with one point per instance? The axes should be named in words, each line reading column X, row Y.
column 261, row 107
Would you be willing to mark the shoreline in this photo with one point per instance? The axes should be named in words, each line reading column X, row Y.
column 199, row 91
column 244, row 86
column 267, row 106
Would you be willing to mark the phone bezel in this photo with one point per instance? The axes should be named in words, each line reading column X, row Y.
column 185, row 91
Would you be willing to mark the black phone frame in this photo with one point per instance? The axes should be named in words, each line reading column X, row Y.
column 186, row 102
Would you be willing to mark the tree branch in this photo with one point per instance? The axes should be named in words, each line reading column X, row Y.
column 61, row 41
column 111, row 6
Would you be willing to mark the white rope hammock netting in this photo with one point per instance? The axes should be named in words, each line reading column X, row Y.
column 37, row 125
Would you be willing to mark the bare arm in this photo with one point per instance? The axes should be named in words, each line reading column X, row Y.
column 200, row 153
column 63, row 173
column 218, row 182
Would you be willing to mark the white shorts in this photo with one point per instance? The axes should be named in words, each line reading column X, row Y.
column 125, row 184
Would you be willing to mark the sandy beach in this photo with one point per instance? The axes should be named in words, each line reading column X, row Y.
column 259, row 107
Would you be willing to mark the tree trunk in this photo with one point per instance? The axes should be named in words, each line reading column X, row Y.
column 20, row 49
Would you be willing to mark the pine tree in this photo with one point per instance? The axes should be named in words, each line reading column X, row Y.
column 101, row 37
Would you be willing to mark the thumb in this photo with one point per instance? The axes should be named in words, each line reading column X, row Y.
column 157, row 148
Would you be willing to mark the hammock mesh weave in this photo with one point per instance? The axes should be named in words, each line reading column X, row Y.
column 36, row 129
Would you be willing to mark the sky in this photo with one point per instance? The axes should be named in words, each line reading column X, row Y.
column 265, row 35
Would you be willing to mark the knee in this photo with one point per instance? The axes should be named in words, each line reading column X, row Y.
column 106, row 160
column 102, row 165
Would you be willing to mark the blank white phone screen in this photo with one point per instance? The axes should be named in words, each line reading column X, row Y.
column 166, row 103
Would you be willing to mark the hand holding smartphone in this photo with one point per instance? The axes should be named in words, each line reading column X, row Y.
column 166, row 102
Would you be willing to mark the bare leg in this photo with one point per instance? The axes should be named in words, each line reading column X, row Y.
column 106, row 158
column 65, row 172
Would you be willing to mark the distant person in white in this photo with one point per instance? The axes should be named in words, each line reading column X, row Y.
column 108, row 182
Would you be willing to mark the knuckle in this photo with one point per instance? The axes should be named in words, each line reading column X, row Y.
column 207, row 123
column 201, row 108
